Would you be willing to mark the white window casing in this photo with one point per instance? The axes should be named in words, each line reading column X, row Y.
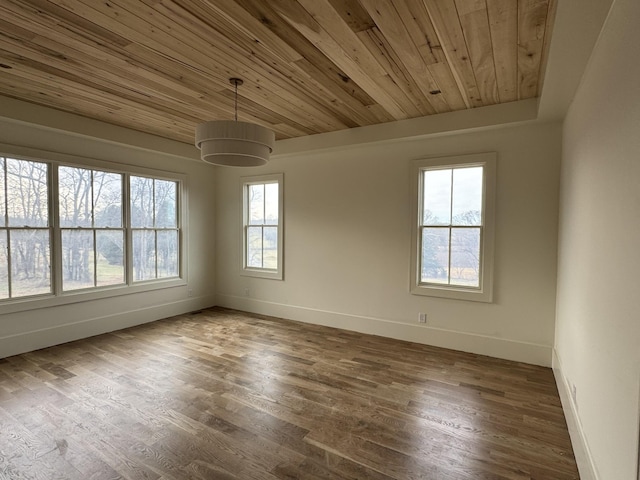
column 260, row 227
column 61, row 296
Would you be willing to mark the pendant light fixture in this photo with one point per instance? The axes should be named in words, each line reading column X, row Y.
column 233, row 143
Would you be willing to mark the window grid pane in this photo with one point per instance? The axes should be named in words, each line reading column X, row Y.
column 141, row 193
column 435, row 255
column 271, row 204
column 465, row 257
column 110, row 257
column 254, row 247
column 167, row 253
column 30, row 259
column 107, row 199
column 74, row 197
column 467, row 196
column 256, row 204
column 165, row 194
column 437, row 197
column 77, row 259
column 144, row 255
column 28, row 193
column 270, row 248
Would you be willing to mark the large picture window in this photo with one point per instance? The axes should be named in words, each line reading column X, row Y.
column 262, row 226
column 453, row 241
column 69, row 229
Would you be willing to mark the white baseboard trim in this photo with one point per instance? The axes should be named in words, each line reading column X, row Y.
column 467, row 342
column 47, row 337
column 581, row 451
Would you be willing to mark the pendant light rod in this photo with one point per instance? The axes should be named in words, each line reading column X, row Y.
column 236, row 81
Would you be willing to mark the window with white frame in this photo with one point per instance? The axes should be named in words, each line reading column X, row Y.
column 71, row 229
column 25, row 229
column 262, row 226
column 91, row 227
column 154, row 225
column 452, row 251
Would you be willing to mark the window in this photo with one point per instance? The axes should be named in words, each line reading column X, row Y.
column 25, row 232
column 262, row 226
column 91, row 227
column 70, row 229
column 155, row 228
column 453, row 241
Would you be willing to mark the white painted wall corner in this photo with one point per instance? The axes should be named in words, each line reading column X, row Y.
column 581, row 451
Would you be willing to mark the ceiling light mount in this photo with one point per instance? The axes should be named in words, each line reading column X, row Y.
column 236, row 82
column 232, row 143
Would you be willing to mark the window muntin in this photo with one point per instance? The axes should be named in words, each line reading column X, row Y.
column 453, row 240
column 66, row 229
column 25, row 233
column 262, row 226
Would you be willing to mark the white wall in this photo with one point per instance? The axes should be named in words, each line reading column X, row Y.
column 31, row 329
column 598, row 325
column 347, row 243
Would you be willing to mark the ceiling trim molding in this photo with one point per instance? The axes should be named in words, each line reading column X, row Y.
column 416, row 128
column 18, row 111
column 576, row 31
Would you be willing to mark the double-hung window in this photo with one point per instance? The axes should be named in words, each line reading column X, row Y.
column 25, row 228
column 452, row 251
column 70, row 229
column 154, row 224
column 91, row 227
column 262, row 226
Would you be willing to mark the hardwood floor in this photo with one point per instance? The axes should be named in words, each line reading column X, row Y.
column 223, row 395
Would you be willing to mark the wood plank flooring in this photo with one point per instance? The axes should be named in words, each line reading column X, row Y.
column 221, row 394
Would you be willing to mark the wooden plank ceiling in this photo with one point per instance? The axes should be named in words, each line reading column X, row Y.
column 309, row 66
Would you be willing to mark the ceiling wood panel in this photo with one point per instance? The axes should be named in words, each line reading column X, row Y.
column 309, row 66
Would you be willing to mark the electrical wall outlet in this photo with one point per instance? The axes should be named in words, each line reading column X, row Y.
column 247, row 292
column 422, row 317
column 190, row 292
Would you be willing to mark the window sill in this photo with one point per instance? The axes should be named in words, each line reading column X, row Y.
column 259, row 273
column 472, row 295
column 80, row 296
